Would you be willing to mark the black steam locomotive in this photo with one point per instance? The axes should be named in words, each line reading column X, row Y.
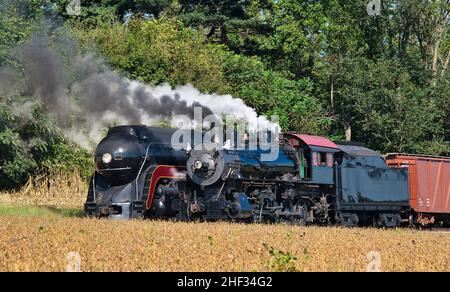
column 313, row 180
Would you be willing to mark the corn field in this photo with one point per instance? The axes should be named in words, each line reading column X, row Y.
column 62, row 191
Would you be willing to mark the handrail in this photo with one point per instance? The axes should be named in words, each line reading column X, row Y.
column 143, row 164
column 140, row 171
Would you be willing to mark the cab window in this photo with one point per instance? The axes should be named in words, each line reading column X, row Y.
column 323, row 159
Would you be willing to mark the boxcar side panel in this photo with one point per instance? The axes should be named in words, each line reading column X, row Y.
column 433, row 186
column 429, row 179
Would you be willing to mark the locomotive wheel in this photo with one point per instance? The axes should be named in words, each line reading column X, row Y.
column 388, row 220
column 348, row 219
column 302, row 211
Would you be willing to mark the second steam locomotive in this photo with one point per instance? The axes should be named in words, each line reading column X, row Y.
column 312, row 181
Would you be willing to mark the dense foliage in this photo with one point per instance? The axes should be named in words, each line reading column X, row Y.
column 30, row 143
column 325, row 67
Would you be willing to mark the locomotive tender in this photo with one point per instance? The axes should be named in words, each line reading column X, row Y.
column 313, row 181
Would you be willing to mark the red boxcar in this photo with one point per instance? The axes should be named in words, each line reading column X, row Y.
column 429, row 185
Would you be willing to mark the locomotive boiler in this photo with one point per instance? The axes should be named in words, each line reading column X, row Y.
column 131, row 162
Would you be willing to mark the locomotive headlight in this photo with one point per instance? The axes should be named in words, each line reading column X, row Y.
column 107, row 158
column 198, row 164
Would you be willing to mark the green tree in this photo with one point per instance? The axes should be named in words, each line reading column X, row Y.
column 385, row 109
column 271, row 93
column 17, row 22
column 29, row 141
column 31, row 144
column 159, row 51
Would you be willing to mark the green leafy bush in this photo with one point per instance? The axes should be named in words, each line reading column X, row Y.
column 31, row 145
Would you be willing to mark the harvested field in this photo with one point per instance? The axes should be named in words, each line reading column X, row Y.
column 41, row 225
column 42, row 244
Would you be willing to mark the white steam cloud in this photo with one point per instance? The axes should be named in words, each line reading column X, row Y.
column 96, row 97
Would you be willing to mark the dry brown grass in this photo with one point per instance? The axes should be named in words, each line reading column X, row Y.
column 60, row 190
column 33, row 243
column 42, row 244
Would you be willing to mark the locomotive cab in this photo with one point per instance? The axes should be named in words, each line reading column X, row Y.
column 316, row 157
